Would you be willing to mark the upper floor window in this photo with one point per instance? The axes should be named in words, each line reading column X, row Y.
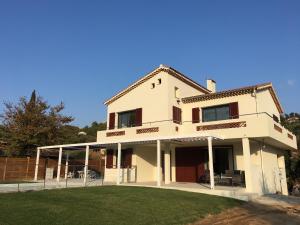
column 132, row 118
column 126, row 119
column 215, row 113
column 221, row 112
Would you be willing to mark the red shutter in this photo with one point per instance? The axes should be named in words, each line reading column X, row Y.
column 176, row 115
column 234, row 110
column 195, row 115
column 138, row 117
column 109, row 158
column 126, row 159
column 179, row 115
column 111, row 121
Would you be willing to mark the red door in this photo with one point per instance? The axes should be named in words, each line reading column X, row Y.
column 189, row 164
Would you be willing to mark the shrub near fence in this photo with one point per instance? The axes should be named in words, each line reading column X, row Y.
column 23, row 168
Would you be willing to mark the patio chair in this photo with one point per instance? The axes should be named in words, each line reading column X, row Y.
column 237, row 178
column 206, row 177
column 71, row 175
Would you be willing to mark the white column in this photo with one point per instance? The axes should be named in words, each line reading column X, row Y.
column 67, row 166
column 247, row 164
column 86, row 163
column 167, row 164
column 173, row 158
column 119, row 164
column 37, row 161
column 59, row 164
column 158, row 167
column 211, row 163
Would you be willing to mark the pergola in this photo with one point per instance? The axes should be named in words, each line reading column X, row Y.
column 157, row 140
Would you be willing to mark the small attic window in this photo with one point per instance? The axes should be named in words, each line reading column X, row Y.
column 176, row 92
column 152, row 85
column 159, row 81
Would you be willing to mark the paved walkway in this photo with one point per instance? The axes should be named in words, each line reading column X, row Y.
column 268, row 209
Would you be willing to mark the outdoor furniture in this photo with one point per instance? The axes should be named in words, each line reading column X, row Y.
column 206, row 177
column 71, row 175
column 80, row 173
column 238, row 178
column 233, row 177
column 227, row 177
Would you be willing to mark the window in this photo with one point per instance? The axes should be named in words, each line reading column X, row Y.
column 152, row 85
column 216, row 113
column 127, row 119
column 159, row 81
column 275, row 118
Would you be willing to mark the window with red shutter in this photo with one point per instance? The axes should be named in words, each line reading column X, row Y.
column 220, row 112
column 111, row 125
column 196, row 115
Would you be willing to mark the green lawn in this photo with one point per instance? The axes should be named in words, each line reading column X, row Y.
column 108, row 205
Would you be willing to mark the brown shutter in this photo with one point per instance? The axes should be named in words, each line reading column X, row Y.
column 195, row 115
column 109, row 158
column 111, row 121
column 126, row 158
column 138, row 117
column 176, row 115
column 179, row 115
column 234, row 110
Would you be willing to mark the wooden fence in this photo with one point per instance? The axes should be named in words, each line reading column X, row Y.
column 24, row 168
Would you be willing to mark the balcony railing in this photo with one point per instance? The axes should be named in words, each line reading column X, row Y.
column 254, row 125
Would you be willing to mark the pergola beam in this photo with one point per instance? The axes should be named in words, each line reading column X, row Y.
column 59, row 164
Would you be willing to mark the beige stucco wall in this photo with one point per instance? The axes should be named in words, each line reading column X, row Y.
column 265, row 103
column 265, row 166
column 156, row 102
column 145, row 163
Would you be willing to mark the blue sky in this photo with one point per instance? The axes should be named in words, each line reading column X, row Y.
column 83, row 52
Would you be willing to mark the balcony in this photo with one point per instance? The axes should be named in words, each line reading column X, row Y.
column 150, row 129
column 258, row 125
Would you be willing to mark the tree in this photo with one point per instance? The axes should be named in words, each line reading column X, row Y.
column 92, row 130
column 33, row 123
column 292, row 159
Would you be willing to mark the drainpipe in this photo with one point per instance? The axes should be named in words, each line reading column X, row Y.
column 262, row 165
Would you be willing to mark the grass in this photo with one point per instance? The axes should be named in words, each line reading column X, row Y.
column 108, row 205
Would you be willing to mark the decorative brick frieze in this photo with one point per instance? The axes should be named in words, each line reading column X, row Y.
column 279, row 129
column 222, row 126
column 147, row 130
column 115, row 133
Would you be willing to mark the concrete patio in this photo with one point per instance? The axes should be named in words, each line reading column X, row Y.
column 225, row 191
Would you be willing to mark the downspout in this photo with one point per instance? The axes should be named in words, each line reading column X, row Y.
column 262, row 166
column 254, row 95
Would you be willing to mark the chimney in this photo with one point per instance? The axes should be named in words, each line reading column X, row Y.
column 211, row 85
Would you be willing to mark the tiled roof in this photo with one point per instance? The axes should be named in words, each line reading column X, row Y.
column 236, row 92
